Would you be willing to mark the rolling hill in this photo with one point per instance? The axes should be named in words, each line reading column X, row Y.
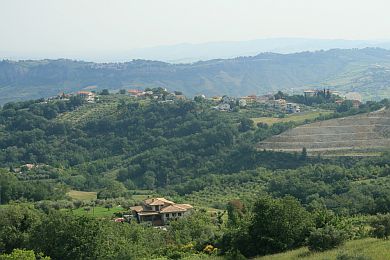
column 354, row 134
column 360, row 70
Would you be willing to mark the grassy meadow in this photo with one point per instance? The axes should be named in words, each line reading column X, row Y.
column 98, row 211
column 364, row 249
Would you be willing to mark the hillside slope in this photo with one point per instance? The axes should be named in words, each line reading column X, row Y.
column 373, row 249
column 366, row 132
column 365, row 70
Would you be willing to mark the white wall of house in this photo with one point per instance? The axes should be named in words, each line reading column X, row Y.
column 172, row 215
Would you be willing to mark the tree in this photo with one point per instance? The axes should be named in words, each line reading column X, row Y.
column 345, row 106
column 280, row 95
column 246, row 124
column 105, row 92
column 304, row 154
column 235, row 211
column 199, row 99
column 65, row 236
column 108, row 206
column 278, row 225
column 75, row 101
column 122, row 91
column 262, row 125
column 196, row 228
column 16, row 226
column 381, row 226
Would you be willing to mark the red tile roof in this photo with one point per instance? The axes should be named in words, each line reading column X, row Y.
column 158, row 201
column 134, row 91
column 137, row 208
column 84, row 92
column 173, row 208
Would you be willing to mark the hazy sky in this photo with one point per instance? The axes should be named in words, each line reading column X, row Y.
column 97, row 25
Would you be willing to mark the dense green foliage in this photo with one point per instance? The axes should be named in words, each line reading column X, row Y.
column 381, row 226
column 63, row 235
column 145, row 144
column 359, row 189
column 119, row 147
column 19, row 254
column 12, row 188
column 273, row 225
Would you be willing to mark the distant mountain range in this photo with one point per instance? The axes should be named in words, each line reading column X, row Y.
column 190, row 52
column 348, row 70
column 186, row 52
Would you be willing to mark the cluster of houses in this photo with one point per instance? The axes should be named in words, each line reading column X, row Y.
column 159, row 211
column 27, row 167
column 318, row 92
column 226, row 103
column 354, row 97
column 88, row 96
column 163, row 95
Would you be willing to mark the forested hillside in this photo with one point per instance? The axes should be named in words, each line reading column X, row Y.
column 147, row 144
column 365, row 71
column 120, row 150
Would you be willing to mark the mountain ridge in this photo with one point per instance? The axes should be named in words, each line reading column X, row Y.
column 360, row 70
column 192, row 52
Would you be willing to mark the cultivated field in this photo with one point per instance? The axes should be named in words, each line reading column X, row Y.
column 299, row 117
column 366, row 133
column 82, row 195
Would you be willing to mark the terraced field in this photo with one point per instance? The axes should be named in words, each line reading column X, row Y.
column 298, row 117
column 356, row 134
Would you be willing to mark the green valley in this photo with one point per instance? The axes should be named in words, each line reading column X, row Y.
column 73, row 173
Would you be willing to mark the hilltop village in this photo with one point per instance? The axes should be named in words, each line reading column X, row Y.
column 278, row 102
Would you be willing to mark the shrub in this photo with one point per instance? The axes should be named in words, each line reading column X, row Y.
column 326, row 238
column 381, row 226
column 22, row 254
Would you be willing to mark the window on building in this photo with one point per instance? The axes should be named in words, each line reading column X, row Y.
column 179, row 214
column 173, row 214
column 167, row 215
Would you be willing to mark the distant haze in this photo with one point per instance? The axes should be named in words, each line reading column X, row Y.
column 184, row 53
column 187, row 53
column 187, row 30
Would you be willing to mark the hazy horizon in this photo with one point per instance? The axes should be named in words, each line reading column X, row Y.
column 87, row 29
column 192, row 52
